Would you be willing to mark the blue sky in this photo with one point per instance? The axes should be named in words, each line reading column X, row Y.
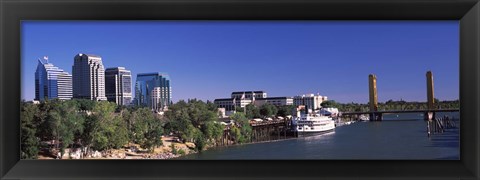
column 210, row 59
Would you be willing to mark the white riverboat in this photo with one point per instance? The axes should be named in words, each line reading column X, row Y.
column 312, row 123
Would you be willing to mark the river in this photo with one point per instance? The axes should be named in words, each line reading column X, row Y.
column 398, row 136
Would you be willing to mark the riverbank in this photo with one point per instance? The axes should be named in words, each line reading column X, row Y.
column 166, row 151
column 130, row 151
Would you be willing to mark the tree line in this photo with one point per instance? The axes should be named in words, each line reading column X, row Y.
column 55, row 125
column 266, row 110
column 198, row 122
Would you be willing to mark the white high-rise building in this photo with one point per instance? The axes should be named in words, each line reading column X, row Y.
column 88, row 77
column 51, row 82
column 64, row 86
column 158, row 103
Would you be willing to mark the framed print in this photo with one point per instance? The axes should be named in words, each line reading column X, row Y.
column 239, row 89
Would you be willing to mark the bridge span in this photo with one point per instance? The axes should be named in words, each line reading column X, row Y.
column 379, row 114
column 376, row 115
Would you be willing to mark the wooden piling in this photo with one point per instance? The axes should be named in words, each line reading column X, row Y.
column 439, row 125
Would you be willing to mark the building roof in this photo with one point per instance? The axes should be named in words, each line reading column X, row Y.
column 115, row 68
column 153, row 74
column 224, row 99
column 309, row 95
column 241, row 92
column 272, row 98
column 90, row 55
column 49, row 66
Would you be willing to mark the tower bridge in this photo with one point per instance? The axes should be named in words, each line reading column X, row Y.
column 376, row 115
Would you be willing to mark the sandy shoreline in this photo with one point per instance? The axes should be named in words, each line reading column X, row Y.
column 133, row 151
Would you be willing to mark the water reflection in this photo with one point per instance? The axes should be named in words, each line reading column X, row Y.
column 315, row 137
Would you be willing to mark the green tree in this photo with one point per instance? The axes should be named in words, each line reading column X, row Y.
column 85, row 104
column 211, row 106
column 103, row 116
column 251, row 111
column 244, row 129
column 65, row 123
column 268, row 110
column 200, row 143
column 218, row 131
column 105, row 129
column 199, row 112
column 147, row 129
column 29, row 142
column 240, row 110
column 190, row 134
column 285, row 110
column 118, row 133
column 212, row 131
column 237, row 134
column 330, row 104
column 194, row 121
column 127, row 117
column 44, row 132
column 178, row 119
column 90, row 128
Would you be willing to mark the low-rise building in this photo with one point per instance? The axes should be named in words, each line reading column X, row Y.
column 312, row 101
column 231, row 104
column 239, row 99
column 277, row 101
column 258, row 98
column 252, row 95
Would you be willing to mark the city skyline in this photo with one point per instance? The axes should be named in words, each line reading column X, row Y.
column 209, row 59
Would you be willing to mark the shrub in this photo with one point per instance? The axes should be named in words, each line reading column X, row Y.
column 181, row 152
column 174, row 149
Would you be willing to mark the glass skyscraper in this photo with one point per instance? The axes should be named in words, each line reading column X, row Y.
column 52, row 82
column 153, row 90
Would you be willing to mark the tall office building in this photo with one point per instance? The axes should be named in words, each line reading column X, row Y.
column 88, row 77
column 51, row 82
column 153, row 90
column 118, row 85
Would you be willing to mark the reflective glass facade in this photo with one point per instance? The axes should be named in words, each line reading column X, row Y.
column 52, row 82
column 153, row 90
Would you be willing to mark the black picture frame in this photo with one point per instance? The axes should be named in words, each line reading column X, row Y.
column 12, row 12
